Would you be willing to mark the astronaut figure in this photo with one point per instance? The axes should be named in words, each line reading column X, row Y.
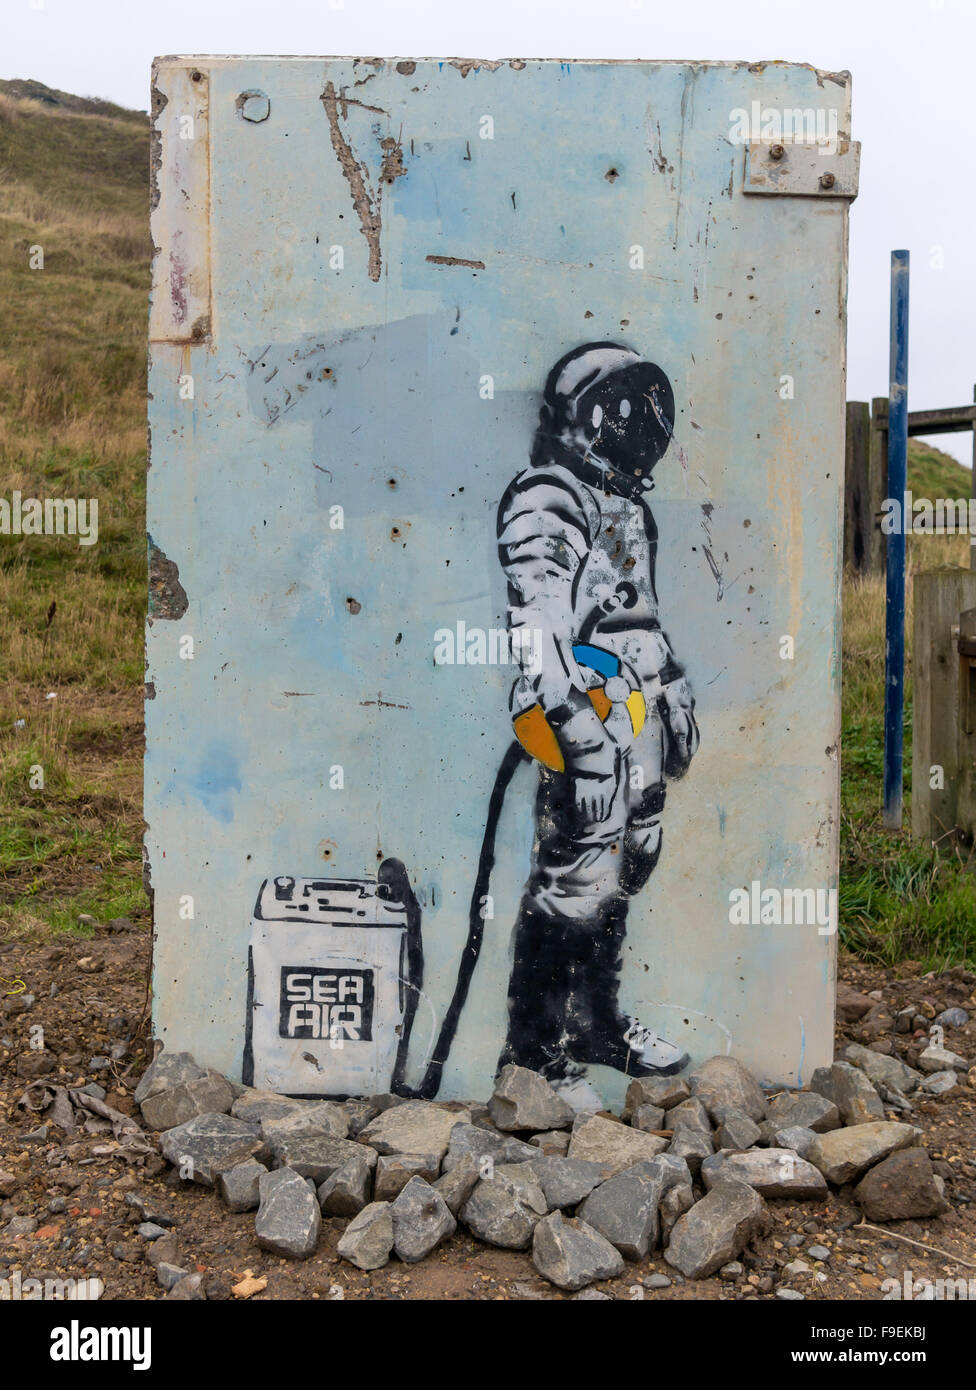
column 606, row 711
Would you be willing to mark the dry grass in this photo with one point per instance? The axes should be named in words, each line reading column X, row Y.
column 72, row 424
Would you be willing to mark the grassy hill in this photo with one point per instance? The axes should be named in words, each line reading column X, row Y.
column 931, row 473
column 74, row 181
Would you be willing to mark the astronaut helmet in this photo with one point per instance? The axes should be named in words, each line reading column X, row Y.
column 606, row 402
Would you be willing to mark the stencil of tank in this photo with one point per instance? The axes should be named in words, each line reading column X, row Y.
column 334, row 970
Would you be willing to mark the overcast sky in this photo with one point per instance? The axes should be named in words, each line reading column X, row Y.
column 912, row 62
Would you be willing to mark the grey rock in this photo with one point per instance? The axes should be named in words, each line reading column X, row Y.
column 240, row 1186
column 414, row 1127
column 675, row 1202
column 770, row 1172
column 360, row 1113
column 552, row 1142
column 317, row 1156
column 657, row 1281
column 347, row 1191
column 732, row 1271
column 211, row 1143
column 565, row 1182
column 715, row 1230
column 882, row 1069
column 189, row 1289
column 936, row 1059
column 368, row 1239
column 819, row 1253
column 691, row 1114
column 767, row 1132
column 673, row 1169
column 497, row 1214
column 822, row 1082
column 256, row 1106
column 624, row 1209
column 523, row 1099
column 894, row 1100
column 790, row 1295
column 854, row 1095
column 421, row 1220
column 21, row 1226
column 795, row 1268
column 163, row 1251
column 904, row 1019
column 457, row 1185
column 901, row 1187
column 528, row 1293
column 472, row 1141
column 648, row 1118
column 951, row 1018
column 805, row 1108
column 844, row 1154
column 663, row 1091
column 168, row 1070
column 591, row 1296
column 325, row 1118
column 938, row 1083
column 611, row 1144
column 735, row 1129
column 692, row 1146
column 522, row 1181
column 288, row 1220
column 209, row 1094
column 394, row 1171
column 724, row 1081
column 168, row 1276
column 149, row 1230
column 571, row 1254
column 795, row 1137
column 147, row 1207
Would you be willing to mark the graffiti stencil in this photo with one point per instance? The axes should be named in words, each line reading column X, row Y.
column 609, row 717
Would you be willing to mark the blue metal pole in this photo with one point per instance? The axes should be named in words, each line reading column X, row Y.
column 895, row 586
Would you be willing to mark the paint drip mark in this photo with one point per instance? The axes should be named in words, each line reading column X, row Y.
column 707, row 510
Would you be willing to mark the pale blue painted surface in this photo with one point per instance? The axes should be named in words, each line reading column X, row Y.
column 736, row 291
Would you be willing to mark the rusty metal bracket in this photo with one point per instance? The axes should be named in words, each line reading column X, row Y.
column 802, row 169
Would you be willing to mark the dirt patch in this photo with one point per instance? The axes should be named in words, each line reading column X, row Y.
column 91, row 1000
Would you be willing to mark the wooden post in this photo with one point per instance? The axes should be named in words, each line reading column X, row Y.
column 858, row 521
column 939, row 597
column 878, row 481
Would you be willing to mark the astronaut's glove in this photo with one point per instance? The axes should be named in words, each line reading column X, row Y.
column 593, row 797
column 590, row 756
column 677, row 707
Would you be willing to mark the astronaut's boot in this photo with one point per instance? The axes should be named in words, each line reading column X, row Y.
column 600, row 1034
column 537, row 992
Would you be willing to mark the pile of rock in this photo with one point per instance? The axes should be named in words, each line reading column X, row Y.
column 688, row 1167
